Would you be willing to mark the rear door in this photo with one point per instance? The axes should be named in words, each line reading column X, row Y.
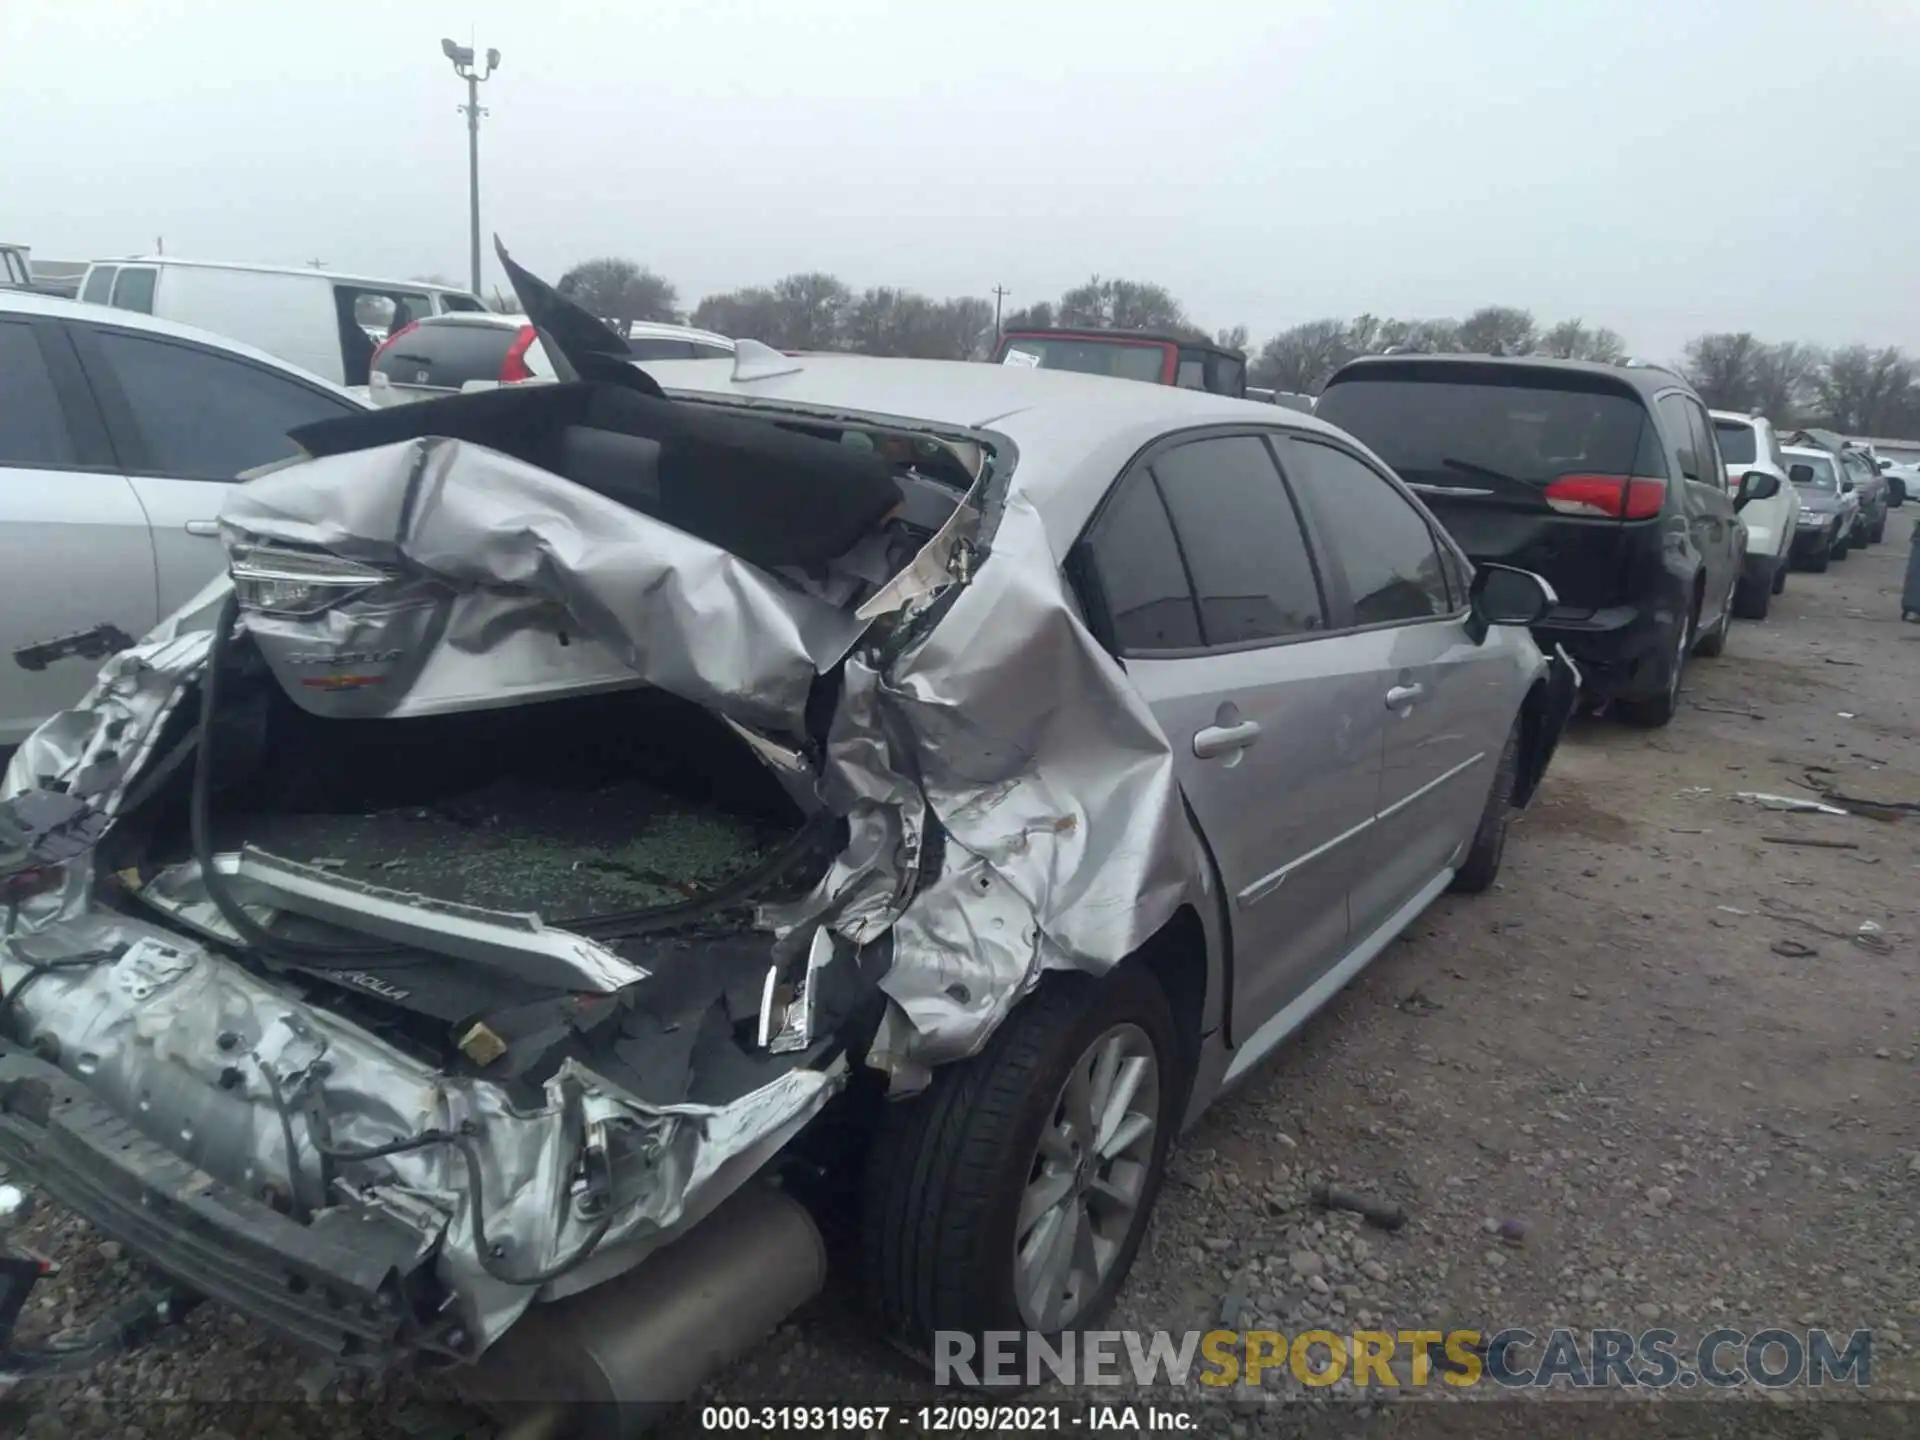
column 1523, row 467
column 185, row 419
column 1445, row 702
column 1203, row 582
column 1711, row 523
column 74, row 548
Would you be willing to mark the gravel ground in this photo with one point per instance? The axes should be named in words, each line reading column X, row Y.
column 1661, row 1076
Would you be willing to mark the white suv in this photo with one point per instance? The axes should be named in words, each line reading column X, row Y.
column 1748, row 443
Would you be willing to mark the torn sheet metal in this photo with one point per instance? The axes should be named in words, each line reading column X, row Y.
column 504, row 557
column 182, row 1042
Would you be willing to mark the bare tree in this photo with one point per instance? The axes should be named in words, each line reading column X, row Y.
column 1301, row 359
column 1233, row 338
column 1497, row 330
column 620, row 291
column 1571, row 340
column 1783, row 380
column 1862, row 390
column 813, row 307
column 1031, row 317
column 749, row 314
column 1721, row 367
column 1428, row 337
column 1124, row 305
column 505, row 302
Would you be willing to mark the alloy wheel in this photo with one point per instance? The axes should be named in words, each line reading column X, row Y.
column 1086, row 1179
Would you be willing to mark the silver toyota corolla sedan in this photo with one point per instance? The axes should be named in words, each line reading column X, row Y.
column 595, row 825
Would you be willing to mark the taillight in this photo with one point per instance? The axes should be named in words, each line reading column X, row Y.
column 297, row 583
column 1617, row 497
column 387, row 344
column 514, row 366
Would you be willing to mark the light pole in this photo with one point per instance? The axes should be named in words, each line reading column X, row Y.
column 462, row 58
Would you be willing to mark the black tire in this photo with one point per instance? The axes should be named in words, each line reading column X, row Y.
column 1817, row 562
column 1844, row 548
column 1481, row 866
column 1753, row 596
column 1780, row 576
column 948, row 1169
column 1657, row 710
column 1880, row 530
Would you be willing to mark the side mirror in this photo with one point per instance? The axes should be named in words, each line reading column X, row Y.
column 1756, row 485
column 1846, row 487
column 1504, row 595
column 1800, row 474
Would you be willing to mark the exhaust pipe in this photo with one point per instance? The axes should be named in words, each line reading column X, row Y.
column 607, row 1362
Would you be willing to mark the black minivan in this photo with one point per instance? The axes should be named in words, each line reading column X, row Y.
column 1602, row 479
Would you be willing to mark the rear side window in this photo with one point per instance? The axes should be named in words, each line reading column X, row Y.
column 206, row 416
column 1125, row 360
column 1391, row 560
column 1141, row 582
column 33, row 428
column 659, row 347
column 99, row 285
column 1737, row 444
column 1242, row 541
column 703, row 351
column 1513, row 440
column 460, row 304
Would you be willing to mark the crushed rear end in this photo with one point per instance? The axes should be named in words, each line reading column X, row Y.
column 460, row 907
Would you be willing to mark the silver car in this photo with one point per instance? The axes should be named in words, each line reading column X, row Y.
column 596, row 818
column 120, row 436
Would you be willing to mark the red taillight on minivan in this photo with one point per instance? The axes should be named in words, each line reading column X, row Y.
column 514, row 365
column 1617, row 497
column 387, row 344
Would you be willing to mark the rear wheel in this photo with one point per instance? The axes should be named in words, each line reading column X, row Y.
column 1013, row 1193
column 1844, row 547
column 1753, row 595
column 1817, row 561
column 1780, row 576
column 1879, row 529
column 1660, row 709
column 1482, row 863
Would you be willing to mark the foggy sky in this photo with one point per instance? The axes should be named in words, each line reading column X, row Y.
column 1661, row 168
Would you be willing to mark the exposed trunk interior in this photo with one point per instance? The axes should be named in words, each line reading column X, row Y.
column 576, row 810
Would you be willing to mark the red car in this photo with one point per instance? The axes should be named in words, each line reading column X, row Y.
column 1160, row 359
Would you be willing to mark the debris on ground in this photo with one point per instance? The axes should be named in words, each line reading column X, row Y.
column 1810, row 842
column 1794, row 949
column 1381, row 1213
column 1787, row 802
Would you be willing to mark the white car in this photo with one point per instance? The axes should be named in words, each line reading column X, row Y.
column 1748, row 443
column 326, row 323
column 449, row 354
column 120, row 436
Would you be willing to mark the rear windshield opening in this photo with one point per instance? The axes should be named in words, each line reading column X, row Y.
column 1499, row 437
column 1736, row 442
column 1120, row 359
column 1812, row 470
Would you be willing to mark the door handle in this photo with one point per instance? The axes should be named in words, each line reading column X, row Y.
column 209, row 528
column 1219, row 739
column 1404, row 695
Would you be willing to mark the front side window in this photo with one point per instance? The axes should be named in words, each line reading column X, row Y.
column 1241, row 537
column 1392, row 563
column 207, row 416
